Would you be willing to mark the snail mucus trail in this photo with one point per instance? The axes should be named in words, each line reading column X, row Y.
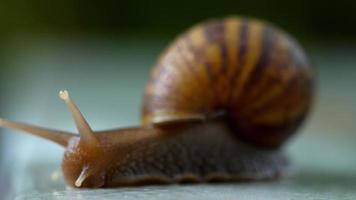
column 221, row 102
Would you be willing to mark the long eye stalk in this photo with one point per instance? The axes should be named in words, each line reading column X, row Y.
column 59, row 137
column 86, row 133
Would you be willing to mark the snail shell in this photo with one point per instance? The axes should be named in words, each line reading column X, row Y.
column 254, row 74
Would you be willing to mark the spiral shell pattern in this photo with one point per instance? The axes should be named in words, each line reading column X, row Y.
column 248, row 69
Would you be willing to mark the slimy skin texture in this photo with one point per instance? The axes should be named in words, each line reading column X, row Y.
column 196, row 152
column 193, row 152
column 221, row 101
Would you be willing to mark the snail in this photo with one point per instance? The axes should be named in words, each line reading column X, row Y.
column 220, row 103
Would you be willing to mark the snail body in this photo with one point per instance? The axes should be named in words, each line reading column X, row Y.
column 221, row 101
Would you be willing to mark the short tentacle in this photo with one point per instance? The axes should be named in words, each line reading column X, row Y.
column 83, row 175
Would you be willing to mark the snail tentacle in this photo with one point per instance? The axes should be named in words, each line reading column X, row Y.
column 85, row 131
column 60, row 137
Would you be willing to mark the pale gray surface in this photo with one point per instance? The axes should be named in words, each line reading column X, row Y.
column 106, row 79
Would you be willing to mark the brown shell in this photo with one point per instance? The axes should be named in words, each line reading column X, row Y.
column 253, row 72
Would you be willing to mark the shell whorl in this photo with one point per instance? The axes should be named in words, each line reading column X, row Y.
column 253, row 72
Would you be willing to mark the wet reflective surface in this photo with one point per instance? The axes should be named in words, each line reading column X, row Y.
column 106, row 79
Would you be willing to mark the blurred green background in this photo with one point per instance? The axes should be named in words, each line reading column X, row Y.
column 313, row 20
column 102, row 52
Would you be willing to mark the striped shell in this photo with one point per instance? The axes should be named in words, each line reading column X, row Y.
column 254, row 73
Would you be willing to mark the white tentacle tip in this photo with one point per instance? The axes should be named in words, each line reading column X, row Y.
column 63, row 94
column 78, row 182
